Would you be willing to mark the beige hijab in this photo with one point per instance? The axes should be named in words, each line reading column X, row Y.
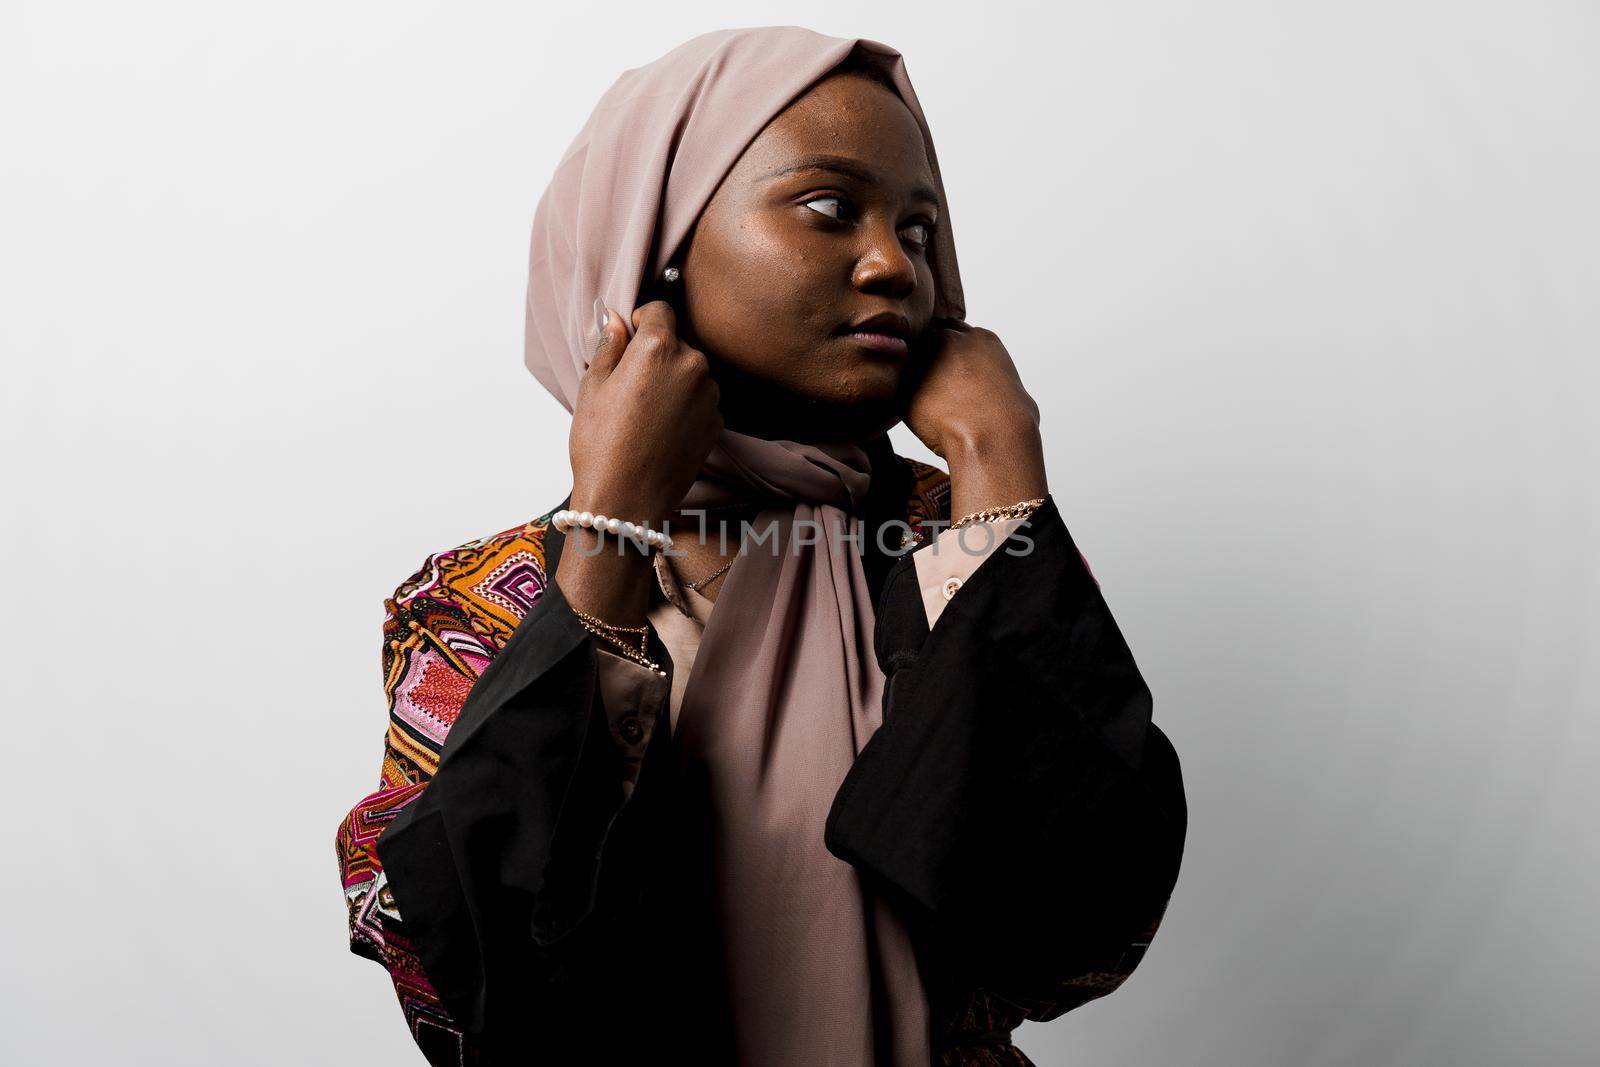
column 785, row 689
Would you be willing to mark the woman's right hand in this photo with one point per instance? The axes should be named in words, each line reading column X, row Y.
column 644, row 420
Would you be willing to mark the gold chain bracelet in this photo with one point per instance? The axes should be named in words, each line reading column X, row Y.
column 610, row 632
column 1021, row 509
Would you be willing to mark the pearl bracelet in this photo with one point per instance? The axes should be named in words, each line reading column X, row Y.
column 636, row 532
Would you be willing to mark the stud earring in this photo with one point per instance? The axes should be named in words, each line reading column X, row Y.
column 670, row 274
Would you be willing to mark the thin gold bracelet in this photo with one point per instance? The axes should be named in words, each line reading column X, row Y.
column 630, row 653
column 1021, row 509
column 610, row 632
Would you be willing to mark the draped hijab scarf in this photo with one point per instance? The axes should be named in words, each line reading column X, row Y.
column 785, row 689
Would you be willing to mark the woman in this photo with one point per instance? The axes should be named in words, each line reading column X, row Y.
column 879, row 806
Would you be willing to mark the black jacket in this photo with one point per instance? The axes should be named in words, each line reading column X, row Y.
column 1017, row 806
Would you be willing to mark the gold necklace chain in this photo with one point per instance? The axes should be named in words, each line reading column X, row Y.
column 698, row 582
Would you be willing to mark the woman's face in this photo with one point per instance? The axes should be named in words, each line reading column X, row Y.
column 823, row 222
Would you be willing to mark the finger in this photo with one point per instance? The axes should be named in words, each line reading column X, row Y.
column 657, row 313
column 611, row 340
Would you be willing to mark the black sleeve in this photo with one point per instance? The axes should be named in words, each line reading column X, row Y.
column 494, row 869
column 1017, row 798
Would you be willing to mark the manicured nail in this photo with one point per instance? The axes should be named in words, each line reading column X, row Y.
column 601, row 315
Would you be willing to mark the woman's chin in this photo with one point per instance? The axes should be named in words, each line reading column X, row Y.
column 855, row 403
column 869, row 384
column 858, row 417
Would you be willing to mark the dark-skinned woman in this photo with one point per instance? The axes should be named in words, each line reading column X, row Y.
column 766, row 746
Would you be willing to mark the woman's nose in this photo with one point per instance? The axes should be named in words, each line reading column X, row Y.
column 883, row 265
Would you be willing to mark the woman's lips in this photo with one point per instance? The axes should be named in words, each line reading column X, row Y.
column 880, row 342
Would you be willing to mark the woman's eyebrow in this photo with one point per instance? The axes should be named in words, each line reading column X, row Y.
column 852, row 168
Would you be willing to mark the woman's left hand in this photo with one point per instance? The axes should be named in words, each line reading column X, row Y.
column 964, row 384
column 968, row 405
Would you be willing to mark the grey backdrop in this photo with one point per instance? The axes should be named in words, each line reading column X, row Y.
column 1306, row 295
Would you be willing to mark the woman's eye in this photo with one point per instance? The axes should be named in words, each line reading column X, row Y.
column 919, row 233
column 824, row 200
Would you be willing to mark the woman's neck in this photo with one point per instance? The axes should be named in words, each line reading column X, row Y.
column 703, row 539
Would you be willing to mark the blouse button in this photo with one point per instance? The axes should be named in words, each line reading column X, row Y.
column 950, row 587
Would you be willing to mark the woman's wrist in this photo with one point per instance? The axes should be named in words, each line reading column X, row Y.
column 605, row 577
column 994, row 466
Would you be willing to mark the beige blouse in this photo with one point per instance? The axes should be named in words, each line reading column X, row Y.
column 679, row 615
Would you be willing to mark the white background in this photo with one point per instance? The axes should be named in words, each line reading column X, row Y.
column 1306, row 293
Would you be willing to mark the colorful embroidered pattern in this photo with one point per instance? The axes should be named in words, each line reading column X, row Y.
column 441, row 628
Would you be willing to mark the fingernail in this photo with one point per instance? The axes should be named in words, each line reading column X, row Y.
column 601, row 315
